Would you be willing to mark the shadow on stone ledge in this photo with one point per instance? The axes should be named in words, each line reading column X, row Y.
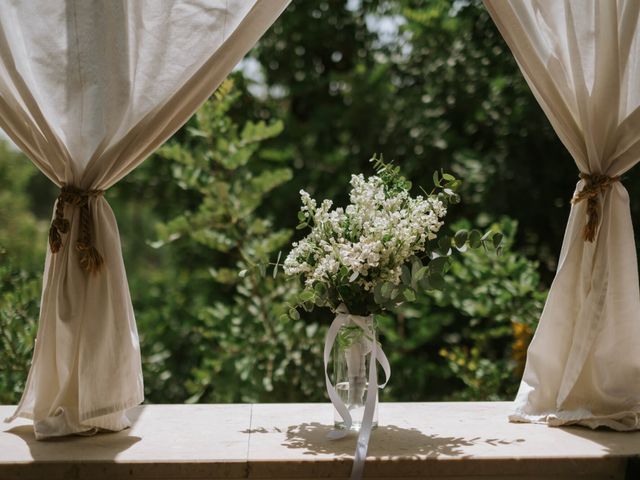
column 104, row 446
column 386, row 441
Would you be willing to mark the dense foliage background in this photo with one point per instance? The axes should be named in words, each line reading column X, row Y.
column 429, row 83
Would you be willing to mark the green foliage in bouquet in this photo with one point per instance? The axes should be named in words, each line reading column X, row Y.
column 384, row 248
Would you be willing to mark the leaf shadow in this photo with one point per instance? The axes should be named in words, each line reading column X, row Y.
column 386, row 441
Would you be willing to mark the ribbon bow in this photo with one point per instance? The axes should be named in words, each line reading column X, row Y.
column 594, row 185
column 90, row 258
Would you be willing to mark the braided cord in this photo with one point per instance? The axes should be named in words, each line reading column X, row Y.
column 90, row 258
column 595, row 184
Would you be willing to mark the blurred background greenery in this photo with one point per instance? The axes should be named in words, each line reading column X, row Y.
column 428, row 83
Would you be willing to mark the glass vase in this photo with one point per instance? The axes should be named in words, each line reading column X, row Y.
column 351, row 359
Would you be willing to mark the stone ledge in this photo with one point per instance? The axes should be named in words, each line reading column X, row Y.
column 450, row 441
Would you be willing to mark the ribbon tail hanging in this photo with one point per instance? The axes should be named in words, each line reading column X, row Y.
column 377, row 356
column 364, row 435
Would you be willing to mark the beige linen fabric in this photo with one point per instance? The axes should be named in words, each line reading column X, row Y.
column 581, row 58
column 88, row 89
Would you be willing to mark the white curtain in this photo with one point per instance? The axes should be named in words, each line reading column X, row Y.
column 581, row 59
column 88, row 89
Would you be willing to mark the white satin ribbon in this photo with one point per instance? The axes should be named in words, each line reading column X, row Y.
column 377, row 356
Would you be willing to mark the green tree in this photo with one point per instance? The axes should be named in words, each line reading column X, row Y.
column 22, row 245
column 429, row 83
column 241, row 346
column 22, row 234
column 501, row 299
column 19, row 294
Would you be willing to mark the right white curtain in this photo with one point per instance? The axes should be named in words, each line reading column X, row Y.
column 581, row 59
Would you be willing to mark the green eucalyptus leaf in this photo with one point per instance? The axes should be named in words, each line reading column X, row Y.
column 444, row 242
column 463, row 248
column 437, row 282
column 437, row 265
column 306, row 295
column 460, row 238
column 377, row 294
column 419, row 275
column 416, row 265
column 475, row 239
column 409, row 295
column 425, row 284
column 497, row 240
column 406, row 275
column 275, row 269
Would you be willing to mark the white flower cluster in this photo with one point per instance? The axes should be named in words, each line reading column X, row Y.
column 372, row 238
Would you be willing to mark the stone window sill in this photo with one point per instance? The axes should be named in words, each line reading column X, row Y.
column 450, row 441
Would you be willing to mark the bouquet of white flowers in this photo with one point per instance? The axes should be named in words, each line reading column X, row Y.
column 374, row 254
column 382, row 248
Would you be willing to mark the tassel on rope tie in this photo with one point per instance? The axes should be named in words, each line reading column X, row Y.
column 595, row 184
column 90, row 258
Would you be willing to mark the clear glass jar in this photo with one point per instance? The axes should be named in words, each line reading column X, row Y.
column 351, row 358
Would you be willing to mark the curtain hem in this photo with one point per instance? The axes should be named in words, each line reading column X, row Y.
column 89, row 423
column 623, row 421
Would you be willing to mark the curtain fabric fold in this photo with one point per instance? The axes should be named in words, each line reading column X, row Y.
column 89, row 89
column 581, row 59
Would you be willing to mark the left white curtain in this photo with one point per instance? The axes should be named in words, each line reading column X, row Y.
column 88, row 89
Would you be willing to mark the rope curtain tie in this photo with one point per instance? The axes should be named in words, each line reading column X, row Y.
column 90, row 259
column 595, row 184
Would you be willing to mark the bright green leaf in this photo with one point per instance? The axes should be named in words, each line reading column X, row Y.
column 409, row 295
